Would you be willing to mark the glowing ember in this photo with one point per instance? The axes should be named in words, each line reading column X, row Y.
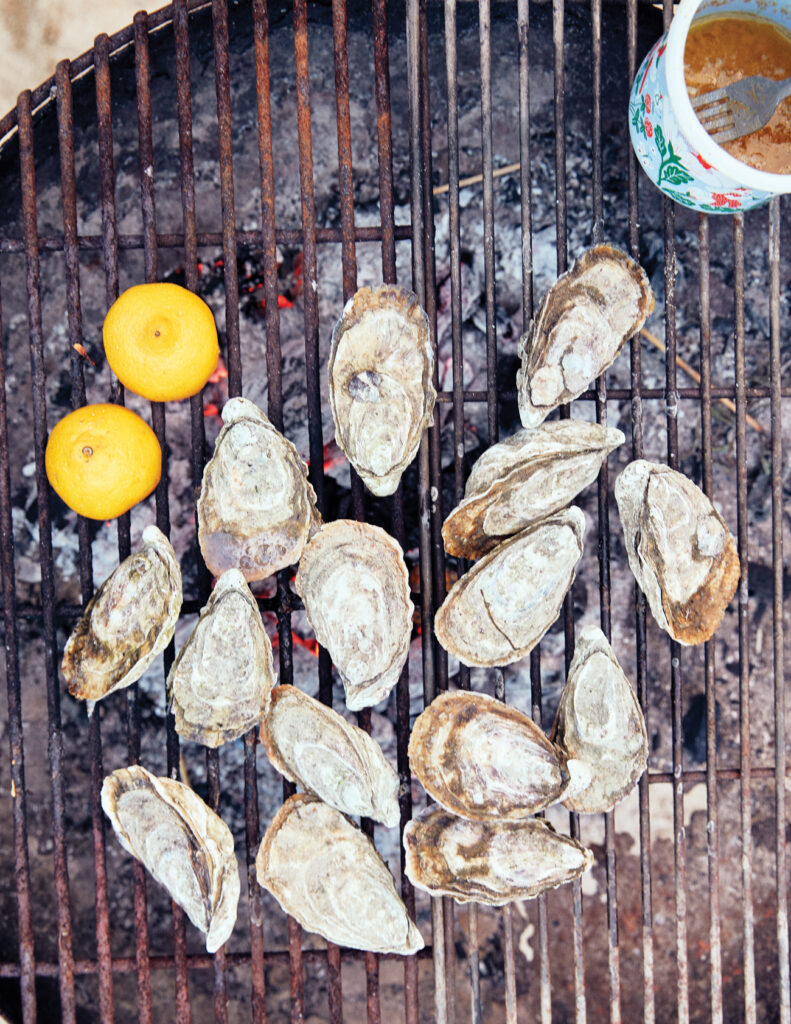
column 221, row 373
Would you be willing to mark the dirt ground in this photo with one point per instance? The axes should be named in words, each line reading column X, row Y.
column 697, row 830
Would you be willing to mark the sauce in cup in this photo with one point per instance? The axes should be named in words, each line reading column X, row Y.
column 722, row 48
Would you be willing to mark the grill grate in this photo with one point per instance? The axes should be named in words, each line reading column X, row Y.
column 560, row 922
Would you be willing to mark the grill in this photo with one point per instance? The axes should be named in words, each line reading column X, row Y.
column 689, row 923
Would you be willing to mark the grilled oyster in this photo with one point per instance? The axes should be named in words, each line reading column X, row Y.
column 489, row 862
column 219, row 684
column 256, row 508
column 579, row 329
column 128, row 622
column 523, row 479
column 380, row 377
column 680, row 550
column 326, row 873
column 317, row 748
column 499, row 610
column 599, row 722
column 482, row 760
column 355, row 586
column 182, row 842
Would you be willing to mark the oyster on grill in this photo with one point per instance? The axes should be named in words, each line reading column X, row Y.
column 219, row 684
column 499, row 610
column 523, row 479
column 326, row 873
column 486, row 861
column 256, row 508
column 355, row 586
column 317, row 748
column 380, row 382
column 128, row 622
column 481, row 759
column 186, row 847
column 680, row 550
column 600, row 723
column 579, row 329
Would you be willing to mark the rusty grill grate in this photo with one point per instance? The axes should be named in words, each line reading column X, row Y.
column 609, row 956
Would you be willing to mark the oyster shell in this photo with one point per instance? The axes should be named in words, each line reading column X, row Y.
column 355, row 586
column 579, row 329
column 380, row 381
column 600, row 723
column 187, row 848
column 499, row 610
column 256, row 509
column 317, row 748
column 523, row 479
column 483, row 760
column 489, row 862
column 680, row 550
column 128, row 622
column 326, row 873
column 219, row 684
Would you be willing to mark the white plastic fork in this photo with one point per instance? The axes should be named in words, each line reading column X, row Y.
column 741, row 107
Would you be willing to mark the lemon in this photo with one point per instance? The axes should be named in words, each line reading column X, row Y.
column 161, row 341
column 103, row 459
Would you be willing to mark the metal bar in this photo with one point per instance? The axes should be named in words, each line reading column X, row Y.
column 712, row 828
column 222, row 79
column 175, row 239
column 639, row 597
column 485, row 41
column 198, row 962
column 745, row 794
column 74, row 319
column 218, row 959
column 27, row 956
column 777, row 610
column 385, row 145
column 309, row 251
column 55, row 743
column 424, row 507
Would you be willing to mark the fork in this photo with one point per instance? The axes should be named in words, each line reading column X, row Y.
column 741, row 107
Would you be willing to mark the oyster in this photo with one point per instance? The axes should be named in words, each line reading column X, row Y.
column 499, row 610
column 182, row 842
column 599, row 722
column 326, row 873
column 489, row 862
column 256, row 508
column 128, row 622
column 317, row 748
column 355, row 586
column 523, row 479
column 380, row 378
column 482, row 760
column 579, row 329
column 680, row 550
column 219, row 684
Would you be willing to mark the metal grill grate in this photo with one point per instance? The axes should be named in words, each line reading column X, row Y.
column 630, row 942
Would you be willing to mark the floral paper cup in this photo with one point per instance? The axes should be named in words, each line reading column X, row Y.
column 674, row 150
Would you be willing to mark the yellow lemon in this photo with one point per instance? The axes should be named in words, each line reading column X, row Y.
column 103, row 459
column 161, row 341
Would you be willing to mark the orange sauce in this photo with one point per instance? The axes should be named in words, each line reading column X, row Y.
column 722, row 48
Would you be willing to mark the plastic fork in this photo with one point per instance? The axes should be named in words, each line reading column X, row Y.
column 741, row 107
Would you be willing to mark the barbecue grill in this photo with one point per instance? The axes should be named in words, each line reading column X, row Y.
column 686, row 917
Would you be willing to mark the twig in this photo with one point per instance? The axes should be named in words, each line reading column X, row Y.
column 693, row 373
column 476, row 179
